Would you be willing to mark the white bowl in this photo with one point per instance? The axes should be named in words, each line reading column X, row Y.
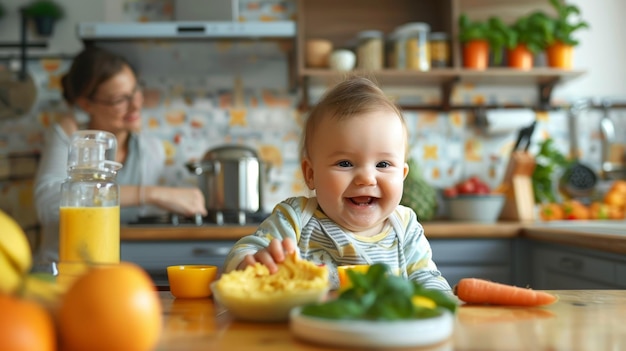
column 265, row 307
column 368, row 334
column 475, row 208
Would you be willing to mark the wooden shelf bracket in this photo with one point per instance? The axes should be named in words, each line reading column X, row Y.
column 545, row 93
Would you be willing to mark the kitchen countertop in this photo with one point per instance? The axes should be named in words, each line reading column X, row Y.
column 580, row 320
column 574, row 233
column 234, row 232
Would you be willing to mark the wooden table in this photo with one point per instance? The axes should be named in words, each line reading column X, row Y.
column 580, row 320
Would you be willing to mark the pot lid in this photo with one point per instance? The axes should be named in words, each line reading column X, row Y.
column 230, row 152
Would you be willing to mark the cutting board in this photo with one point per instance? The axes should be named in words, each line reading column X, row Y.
column 519, row 204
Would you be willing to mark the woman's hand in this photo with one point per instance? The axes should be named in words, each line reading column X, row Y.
column 271, row 255
column 183, row 201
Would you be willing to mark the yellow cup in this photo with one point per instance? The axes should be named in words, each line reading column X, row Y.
column 344, row 280
column 191, row 281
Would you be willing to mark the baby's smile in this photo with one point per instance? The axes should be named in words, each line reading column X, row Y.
column 362, row 200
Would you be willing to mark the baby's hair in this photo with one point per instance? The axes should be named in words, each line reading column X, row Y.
column 353, row 96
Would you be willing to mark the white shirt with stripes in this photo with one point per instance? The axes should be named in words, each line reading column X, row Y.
column 401, row 244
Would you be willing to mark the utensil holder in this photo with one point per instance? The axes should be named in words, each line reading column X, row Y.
column 519, row 203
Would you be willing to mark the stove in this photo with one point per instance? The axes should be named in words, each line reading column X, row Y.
column 213, row 218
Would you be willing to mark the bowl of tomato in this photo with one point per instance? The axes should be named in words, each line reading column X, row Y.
column 473, row 200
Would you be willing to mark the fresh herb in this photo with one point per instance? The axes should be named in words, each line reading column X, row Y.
column 380, row 295
column 547, row 161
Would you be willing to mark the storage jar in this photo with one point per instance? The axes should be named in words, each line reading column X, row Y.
column 417, row 53
column 370, row 51
column 439, row 43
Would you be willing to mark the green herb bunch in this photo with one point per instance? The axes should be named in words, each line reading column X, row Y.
column 547, row 162
column 567, row 22
column 44, row 8
column 536, row 31
column 380, row 295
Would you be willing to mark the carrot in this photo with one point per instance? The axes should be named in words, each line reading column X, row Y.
column 480, row 291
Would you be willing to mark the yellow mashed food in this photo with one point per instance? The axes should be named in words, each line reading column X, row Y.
column 294, row 275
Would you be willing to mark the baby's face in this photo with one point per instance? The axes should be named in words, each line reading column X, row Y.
column 357, row 168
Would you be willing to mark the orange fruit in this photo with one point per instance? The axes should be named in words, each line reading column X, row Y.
column 551, row 212
column 619, row 186
column 616, row 212
column 615, row 198
column 599, row 210
column 111, row 307
column 25, row 325
column 574, row 209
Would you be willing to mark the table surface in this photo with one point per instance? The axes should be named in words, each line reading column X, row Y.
column 580, row 320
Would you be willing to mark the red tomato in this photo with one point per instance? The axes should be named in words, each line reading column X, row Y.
column 482, row 188
column 450, row 192
column 466, row 187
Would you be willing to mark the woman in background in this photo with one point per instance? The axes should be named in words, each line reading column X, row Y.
column 105, row 87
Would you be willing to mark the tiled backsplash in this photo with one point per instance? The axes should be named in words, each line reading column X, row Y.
column 191, row 104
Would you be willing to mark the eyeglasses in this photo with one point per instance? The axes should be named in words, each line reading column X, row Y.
column 123, row 102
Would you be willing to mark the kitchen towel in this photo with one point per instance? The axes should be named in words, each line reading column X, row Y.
column 502, row 121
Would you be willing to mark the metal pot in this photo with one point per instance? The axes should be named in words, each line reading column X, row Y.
column 230, row 176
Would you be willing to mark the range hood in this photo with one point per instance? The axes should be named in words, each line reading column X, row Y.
column 89, row 31
column 208, row 19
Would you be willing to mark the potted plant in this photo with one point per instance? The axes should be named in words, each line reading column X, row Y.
column 560, row 48
column 481, row 38
column 501, row 37
column 532, row 34
column 474, row 35
column 44, row 13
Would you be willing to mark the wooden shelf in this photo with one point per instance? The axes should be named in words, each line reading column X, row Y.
column 340, row 21
column 443, row 75
column 545, row 79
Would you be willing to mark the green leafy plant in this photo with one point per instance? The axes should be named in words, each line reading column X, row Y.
column 566, row 22
column 535, row 31
column 548, row 160
column 44, row 8
column 501, row 36
column 380, row 295
column 472, row 30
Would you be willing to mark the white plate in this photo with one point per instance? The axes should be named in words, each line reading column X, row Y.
column 361, row 333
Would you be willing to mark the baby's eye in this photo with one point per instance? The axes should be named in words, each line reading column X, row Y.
column 383, row 164
column 344, row 164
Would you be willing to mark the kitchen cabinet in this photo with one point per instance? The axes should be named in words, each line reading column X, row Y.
column 155, row 255
column 492, row 259
column 566, row 267
column 340, row 21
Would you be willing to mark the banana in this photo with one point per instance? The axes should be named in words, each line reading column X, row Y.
column 14, row 244
column 43, row 289
column 10, row 278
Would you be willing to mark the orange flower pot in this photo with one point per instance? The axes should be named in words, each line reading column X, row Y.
column 476, row 54
column 520, row 57
column 560, row 55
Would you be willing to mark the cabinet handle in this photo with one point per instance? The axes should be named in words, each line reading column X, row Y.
column 571, row 264
column 209, row 251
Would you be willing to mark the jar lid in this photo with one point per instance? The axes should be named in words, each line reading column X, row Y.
column 92, row 149
column 413, row 27
column 370, row 34
column 438, row 36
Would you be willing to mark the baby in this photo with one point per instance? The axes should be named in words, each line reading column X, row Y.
column 353, row 158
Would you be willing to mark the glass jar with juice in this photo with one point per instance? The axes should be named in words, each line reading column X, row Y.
column 89, row 219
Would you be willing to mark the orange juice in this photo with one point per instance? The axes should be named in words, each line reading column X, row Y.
column 89, row 234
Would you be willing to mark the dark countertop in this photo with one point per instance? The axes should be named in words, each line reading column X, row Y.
column 434, row 230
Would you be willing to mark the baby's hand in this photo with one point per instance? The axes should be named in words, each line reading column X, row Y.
column 270, row 256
